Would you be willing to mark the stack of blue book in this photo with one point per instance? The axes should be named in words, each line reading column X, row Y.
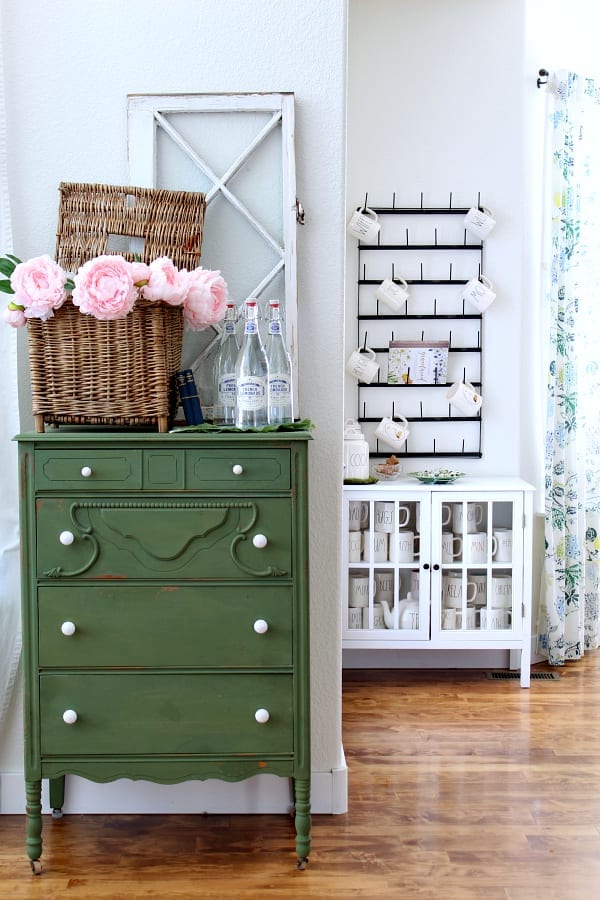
column 190, row 401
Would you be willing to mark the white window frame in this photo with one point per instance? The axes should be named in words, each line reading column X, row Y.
column 147, row 113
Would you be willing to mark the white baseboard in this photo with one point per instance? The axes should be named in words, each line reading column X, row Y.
column 260, row 794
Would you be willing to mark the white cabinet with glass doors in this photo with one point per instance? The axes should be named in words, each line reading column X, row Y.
column 439, row 566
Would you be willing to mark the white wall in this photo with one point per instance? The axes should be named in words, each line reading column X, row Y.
column 436, row 98
column 435, row 101
column 69, row 66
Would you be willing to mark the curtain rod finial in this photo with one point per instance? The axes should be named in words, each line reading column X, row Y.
column 543, row 77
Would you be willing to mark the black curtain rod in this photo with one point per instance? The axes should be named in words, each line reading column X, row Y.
column 542, row 77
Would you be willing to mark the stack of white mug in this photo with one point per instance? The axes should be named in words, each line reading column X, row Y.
column 468, row 542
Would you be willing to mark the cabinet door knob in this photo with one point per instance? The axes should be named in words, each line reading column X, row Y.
column 260, row 626
column 260, row 541
column 237, row 469
column 86, row 471
column 426, row 566
column 262, row 716
column 66, row 538
column 69, row 717
column 436, row 567
column 68, row 628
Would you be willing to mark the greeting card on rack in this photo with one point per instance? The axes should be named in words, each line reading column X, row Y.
column 417, row 362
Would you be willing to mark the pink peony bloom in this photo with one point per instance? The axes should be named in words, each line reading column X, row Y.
column 140, row 272
column 206, row 299
column 104, row 288
column 14, row 315
column 166, row 282
column 39, row 286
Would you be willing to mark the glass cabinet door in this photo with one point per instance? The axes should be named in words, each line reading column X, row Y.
column 388, row 546
column 477, row 558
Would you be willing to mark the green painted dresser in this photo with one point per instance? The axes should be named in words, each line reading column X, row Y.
column 165, row 611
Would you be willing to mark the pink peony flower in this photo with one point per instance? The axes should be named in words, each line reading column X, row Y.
column 166, row 282
column 206, row 300
column 38, row 286
column 104, row 288
column 14, row 315
column 140, row 272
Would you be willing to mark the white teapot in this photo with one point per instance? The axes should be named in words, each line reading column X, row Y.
column 356, row 451
column 405, row 613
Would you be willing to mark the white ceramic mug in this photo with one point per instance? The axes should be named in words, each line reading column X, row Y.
column 414, row 584
column 463, row 396
column 358, row 514
column 362, row 363
column 404, row 547
column 451, row 546
column 380, row 546
column 358, row 594
column 355, row 617
column 449, row 619
column 394, row 293
column 494, row 618
column 452, row 590
column 501, row 597
column 479, row 221
column 475, row 547
column 481, row 582
column 393, row 432
column 354, row 545
column 384, row 515
column 384, row 586
column 504, row 542
column 480, row 292
column 446, row 515
column 378, row 619
column 364, row 225
column 474, row 517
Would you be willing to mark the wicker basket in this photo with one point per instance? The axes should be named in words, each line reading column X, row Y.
column 117, row 373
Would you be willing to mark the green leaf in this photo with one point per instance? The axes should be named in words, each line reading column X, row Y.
column 5, row 286
column 6, row 266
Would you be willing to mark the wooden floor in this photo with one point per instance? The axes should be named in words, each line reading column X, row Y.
column 460, row 787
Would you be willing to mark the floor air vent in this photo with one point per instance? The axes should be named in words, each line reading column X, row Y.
column 535, row 676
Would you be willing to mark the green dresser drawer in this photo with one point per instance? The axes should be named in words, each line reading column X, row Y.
column 144, row 539
column 165, row 713
column 88, row 470
column 132, row 626
column 238, row 469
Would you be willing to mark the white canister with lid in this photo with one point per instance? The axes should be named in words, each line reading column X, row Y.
column 356, row 451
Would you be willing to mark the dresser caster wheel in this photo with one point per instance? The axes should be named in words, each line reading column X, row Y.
column 36, row 867
column 57, row 813
column 302, row 863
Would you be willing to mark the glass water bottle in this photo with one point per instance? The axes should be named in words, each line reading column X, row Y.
column 251, row 374
column 280, row 370
column 224, row 395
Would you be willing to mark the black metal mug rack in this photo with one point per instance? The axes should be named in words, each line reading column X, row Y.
column 438, row 266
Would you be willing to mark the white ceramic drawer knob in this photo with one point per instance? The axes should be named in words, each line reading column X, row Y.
column 262, row 716
column 259, row 540
column 260, row 626
column 68, row 628
column 237, row 469
column 86, row 471
column 66, row 538
column 69, row 717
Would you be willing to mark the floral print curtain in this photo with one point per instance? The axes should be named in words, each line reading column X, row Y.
column 569, row 609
